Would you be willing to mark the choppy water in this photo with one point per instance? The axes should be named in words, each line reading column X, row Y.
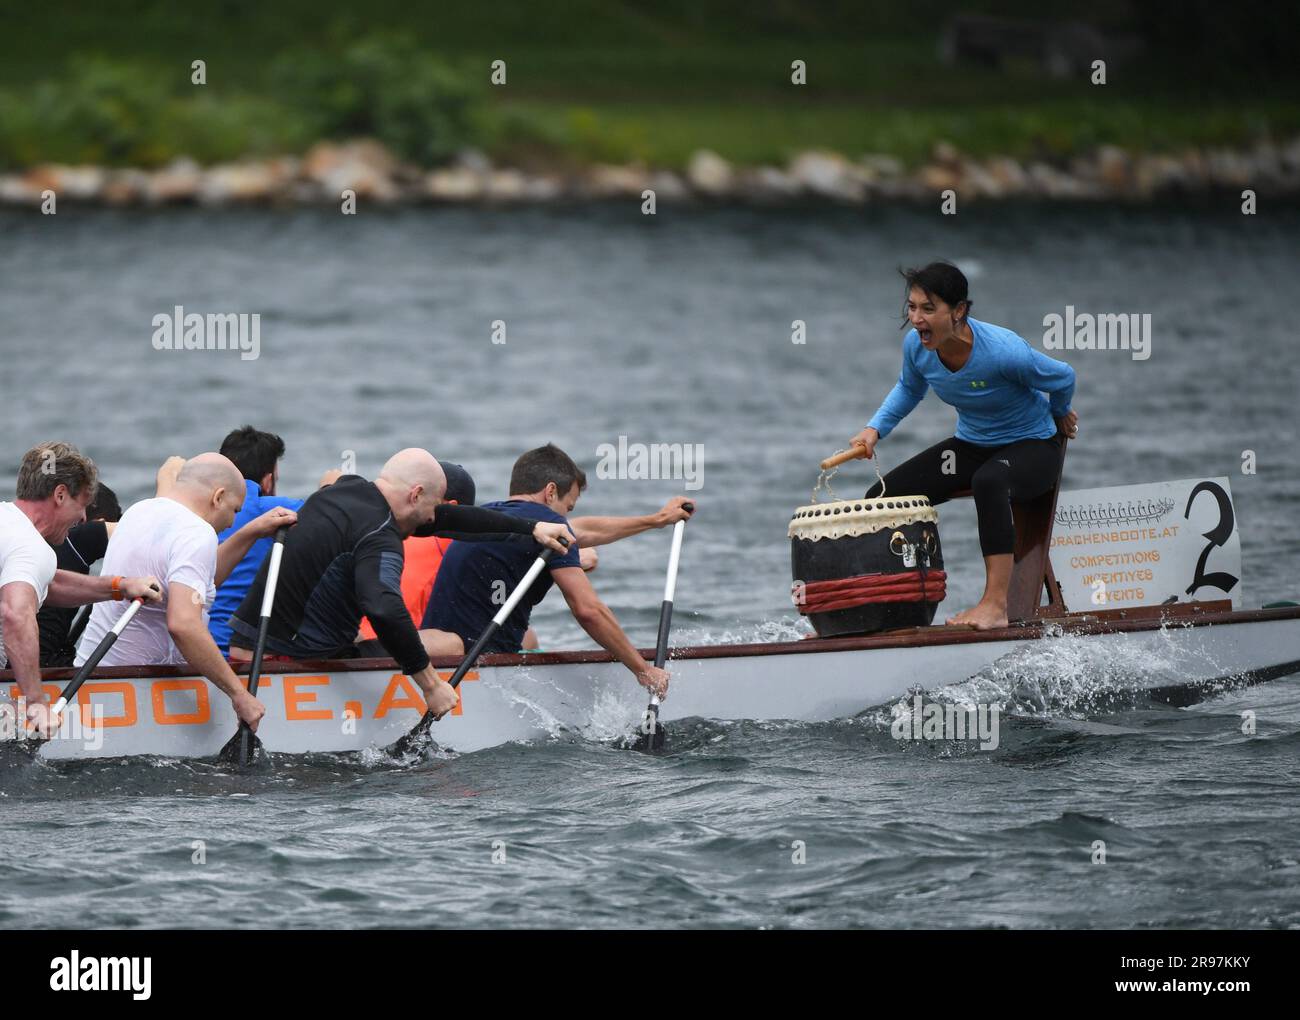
column 376, row 334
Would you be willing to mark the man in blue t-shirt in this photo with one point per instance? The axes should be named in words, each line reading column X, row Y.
column 476, row 578
column 257, row 455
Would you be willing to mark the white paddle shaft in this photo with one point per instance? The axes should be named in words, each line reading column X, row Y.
column 670, row 584
column 116, row 631
column 272, row 576
column 521, row 589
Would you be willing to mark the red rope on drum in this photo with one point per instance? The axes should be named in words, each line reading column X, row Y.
column 848, row 592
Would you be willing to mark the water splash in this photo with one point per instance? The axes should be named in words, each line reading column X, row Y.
column 543, row 700
column 767, row 632
column 1072, row 675
column 378, row 758
column 614, row 715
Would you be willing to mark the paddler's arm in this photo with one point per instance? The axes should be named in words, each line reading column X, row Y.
column 377, row 579
column 478, row 524
column 69, row 589
column 236, row 547
column 472, row 523
column 905, row 395
column 22, row 637
column 599, row 622
column 194, row 641
column 592, row 531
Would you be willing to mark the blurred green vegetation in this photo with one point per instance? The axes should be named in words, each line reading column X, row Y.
column 650, row 81
column 667, row 135
column 107, row 111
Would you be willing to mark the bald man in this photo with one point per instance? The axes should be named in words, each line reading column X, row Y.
column 344, row 561
column 175, row 535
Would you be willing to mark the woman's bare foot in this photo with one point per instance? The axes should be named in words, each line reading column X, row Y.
column 985, row 616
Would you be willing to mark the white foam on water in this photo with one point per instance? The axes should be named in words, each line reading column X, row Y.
column 615, row 714
column 612, row 712
column 1065, row 673
column 375, row 756
column 787, row 628
column 543, row 700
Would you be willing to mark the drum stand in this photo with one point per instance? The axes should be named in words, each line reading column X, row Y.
column 1031, row 572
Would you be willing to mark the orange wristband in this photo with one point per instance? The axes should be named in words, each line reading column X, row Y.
column 117, row 588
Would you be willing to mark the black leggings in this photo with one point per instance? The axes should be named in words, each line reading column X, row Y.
column 996, row 475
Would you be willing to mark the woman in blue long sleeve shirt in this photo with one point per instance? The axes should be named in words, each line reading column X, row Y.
column 1013, row 411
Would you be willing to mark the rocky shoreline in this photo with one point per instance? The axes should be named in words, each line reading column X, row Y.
column 374, row 175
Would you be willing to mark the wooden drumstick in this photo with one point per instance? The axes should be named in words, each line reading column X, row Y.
column 854, row 452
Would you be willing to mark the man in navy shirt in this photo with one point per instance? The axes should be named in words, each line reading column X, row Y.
column 475, row 579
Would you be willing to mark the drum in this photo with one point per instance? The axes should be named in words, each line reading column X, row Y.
column 867, row 565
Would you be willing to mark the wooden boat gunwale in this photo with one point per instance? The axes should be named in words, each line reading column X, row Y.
column 1142, row 618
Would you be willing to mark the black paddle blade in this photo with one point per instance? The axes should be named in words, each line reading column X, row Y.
column 651, row 741
column 651, row 735
column 236, row 752
column 415, row 743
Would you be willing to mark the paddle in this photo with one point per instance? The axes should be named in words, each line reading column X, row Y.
column 653, row 734
column 79, row 625
column 242, row 748
column 87, row 667
column 418, row 738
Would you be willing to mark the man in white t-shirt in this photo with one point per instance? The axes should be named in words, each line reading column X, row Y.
column 175, row 537
column 55, row 485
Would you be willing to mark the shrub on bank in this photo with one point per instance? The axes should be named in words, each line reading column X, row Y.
column 114, row 114
column 385, row 87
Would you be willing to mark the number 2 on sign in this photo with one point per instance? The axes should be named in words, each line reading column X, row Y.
column 1217, row 535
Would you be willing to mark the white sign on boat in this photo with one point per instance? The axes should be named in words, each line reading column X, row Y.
column 1147, row 545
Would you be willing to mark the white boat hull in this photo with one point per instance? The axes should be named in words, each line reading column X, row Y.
column 345, row 706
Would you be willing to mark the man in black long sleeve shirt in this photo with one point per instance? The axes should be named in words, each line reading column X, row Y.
column 343, row 560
